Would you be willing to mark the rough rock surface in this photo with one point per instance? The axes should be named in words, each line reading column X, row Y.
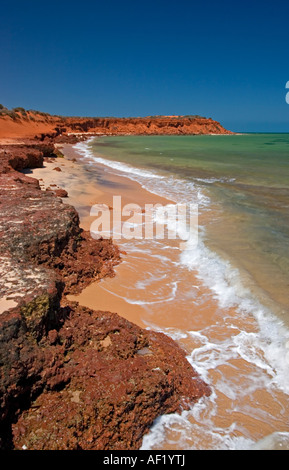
column 71, row 378
column 62, row 129
column 105, row 381
column 152, row 125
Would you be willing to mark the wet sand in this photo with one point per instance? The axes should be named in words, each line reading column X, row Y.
column 86, row 189
column 152, row 291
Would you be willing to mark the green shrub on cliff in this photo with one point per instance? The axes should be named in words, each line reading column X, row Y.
column 20, row 110
column 14, row 113
column 11, row 114
column 3, row 109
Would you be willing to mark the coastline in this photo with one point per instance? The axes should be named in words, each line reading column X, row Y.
column 197, row 326
column 177, row 319
column 84, row 190
column 47, row 256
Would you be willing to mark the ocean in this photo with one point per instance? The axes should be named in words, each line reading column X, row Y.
column 224, row 299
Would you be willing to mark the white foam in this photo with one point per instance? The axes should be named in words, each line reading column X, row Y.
column 267, row 350
column 275, row 441
column 213, row 271
column 175, row 189
column 215, row 180
column 174, row 333
column 193, row 428
column 167, row 298
column 150, row 278
column 87, row 152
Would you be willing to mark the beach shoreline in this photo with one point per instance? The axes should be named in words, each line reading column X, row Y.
column 84, row 191
column 47, row 256
column 150, row 291
column 131, row 294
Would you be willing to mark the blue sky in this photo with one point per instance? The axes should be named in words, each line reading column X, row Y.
column 225, row 60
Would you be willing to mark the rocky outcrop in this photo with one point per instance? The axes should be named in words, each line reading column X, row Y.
column 70, row 377
column 63, row 129
column 43, row 255
column 158, row 125
column 105, row 381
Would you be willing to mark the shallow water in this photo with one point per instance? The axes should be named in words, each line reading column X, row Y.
column 223, row 299
column 243, row 180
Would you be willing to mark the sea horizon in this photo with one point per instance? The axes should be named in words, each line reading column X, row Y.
column 222, row 264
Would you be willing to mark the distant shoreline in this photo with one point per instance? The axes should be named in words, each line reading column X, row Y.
column 20, row 123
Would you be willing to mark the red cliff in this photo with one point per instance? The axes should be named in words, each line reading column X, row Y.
column 17, row 124
column 155, row 125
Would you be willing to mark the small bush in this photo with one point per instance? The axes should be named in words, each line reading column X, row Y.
column 3, row 109
column 20, row 110
column 11, row 114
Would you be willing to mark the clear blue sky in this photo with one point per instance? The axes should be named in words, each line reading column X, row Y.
column 226, row 60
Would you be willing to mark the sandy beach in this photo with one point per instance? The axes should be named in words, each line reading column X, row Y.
column 40, row 222
column 84, row 190
column 144, row 222
column 150, row 291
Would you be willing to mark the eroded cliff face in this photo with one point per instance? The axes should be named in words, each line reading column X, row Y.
column 32, row 124
column 162, row 125
column 70, row 377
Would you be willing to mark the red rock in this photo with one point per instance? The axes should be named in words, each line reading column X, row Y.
column 151, row 125
column 70, row 377
column 61, row 193
column 73, row 129
column 106, row 397
column 40, row 243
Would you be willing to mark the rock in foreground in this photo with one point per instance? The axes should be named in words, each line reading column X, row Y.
column 70, row 377
column 106, row 380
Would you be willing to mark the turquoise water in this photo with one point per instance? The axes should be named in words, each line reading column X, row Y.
column 230, row 329
column 251, row 158
column 241, row 183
